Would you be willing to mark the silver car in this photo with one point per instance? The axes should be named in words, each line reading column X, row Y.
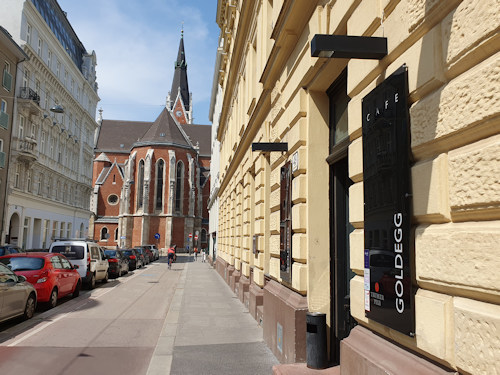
column 17, row 296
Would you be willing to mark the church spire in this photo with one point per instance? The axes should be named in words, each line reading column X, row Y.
column 180, row 81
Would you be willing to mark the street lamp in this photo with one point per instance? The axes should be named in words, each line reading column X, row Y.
column 57, row 109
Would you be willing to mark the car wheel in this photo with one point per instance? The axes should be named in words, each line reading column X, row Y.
column 53, row 298
column 76, row 292
column 29, row 310
column 92, row 281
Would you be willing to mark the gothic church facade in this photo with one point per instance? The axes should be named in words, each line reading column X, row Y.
column 151, row 180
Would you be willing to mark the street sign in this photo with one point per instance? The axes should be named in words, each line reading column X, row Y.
column 157, row 236
column 190, row 235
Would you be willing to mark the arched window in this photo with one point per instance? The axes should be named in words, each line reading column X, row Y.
column 160, row 167
column 179, row 186
column 104, row 234
column 140, row 185
column 203, row 236
column 116, row 235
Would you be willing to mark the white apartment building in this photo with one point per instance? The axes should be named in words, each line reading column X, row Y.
column 50, row 174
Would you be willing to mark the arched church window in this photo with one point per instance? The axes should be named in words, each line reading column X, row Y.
column 160, row 167
column 140, row 185
column 104, row 234
column 179, row 186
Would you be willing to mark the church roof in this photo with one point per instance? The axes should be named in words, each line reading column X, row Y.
column 123, row 136
column 119, row 135
column 164, row 131
column 180, row 81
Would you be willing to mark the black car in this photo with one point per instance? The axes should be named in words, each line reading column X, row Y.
column 135, row 260
column 10, row 249
column 118, row 262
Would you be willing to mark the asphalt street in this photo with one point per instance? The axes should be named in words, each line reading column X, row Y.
column 152, row 321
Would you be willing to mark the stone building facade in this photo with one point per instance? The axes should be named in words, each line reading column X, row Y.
column 302, row 229
column 53, row 126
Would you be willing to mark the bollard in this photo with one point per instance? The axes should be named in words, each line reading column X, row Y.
column 316, row 356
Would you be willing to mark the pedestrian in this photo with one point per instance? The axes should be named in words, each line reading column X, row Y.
column 204, row 255
column 195, row 253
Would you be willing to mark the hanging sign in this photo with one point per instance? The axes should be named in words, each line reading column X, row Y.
column 386, row 173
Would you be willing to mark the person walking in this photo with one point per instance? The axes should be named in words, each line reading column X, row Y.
column 196, row 254
column 204, row 259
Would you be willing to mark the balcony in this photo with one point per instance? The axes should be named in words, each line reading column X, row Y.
column 26, row 150
column 30, row 100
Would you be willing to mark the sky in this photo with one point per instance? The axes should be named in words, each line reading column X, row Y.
column 136, row 44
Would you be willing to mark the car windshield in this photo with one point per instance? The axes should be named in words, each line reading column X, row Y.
column 110, row 253
column 128, row 252
column 70, row 251
column 24, row 263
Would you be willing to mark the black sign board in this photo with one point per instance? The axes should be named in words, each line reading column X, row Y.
column 386, row 173
column 286, row 222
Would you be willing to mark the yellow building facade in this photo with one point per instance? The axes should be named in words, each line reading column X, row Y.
column 292, row 231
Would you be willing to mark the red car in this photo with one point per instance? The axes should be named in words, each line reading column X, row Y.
column 52, row 275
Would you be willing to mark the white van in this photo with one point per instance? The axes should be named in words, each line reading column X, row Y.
column 87, row 255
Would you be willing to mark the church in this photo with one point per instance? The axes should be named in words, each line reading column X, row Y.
column 151, row 180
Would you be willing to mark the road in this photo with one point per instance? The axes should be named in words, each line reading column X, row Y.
column 112, row 329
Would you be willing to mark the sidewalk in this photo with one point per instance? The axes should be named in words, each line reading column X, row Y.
column 207, row 329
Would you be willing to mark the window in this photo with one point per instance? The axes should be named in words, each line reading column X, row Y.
column 140, row 185
column 159, row 184
column 28, row 34
column 47, row 99
column 37, row 86
column 58, row 69
column 26, row 78
column 116, row 235
column 4, row 117
column 22, row 122
column 49, row 59
column 7, row 77
column 68, row 230
column 65, row 79
column 113, row 199
column 39, row 48
column 179, row 186
column 43, row 141
column 56, row 262
column 17, row 176
column 28, row 181
column 104, row 234
column 40, row 184
column 2, row 156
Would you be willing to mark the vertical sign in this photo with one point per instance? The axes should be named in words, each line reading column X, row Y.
column 286, row 222
column 386, row 172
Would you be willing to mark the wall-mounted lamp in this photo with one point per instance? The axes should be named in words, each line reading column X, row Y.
column 57, row 109
column 348, row 47
column 270, row 147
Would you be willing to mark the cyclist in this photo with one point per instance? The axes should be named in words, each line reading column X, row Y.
column 171, row 255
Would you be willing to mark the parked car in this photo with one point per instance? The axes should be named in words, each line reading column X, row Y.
column 149, row 254
column 52, row 275
column 145, row 256
column 155, row 251
column 10, row 249
column 87, row 255
column 20, row 295
column 118, row 262
column 134, row 259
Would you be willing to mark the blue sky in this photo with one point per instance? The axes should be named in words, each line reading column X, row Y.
column 136, row 44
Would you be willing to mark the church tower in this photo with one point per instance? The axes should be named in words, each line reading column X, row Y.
column 179, row 101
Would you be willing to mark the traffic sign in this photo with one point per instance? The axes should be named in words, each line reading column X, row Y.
column 190, row 235
column 157, row 236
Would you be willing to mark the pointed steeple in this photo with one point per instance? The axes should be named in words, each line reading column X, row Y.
column 180, row 81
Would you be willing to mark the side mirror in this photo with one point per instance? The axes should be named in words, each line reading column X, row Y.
column 21, row 278
column 75, row 267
